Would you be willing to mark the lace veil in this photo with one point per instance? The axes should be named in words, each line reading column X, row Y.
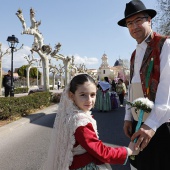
column 68, row 118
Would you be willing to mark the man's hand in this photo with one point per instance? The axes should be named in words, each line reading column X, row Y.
column 127, row 128
column 144, row 135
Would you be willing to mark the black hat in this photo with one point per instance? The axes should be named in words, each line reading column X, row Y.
column 135, row 7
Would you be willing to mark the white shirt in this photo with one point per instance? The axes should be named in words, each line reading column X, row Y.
column 59, row 83
column 161, row 111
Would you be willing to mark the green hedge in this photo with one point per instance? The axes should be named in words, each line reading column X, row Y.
column 21, row 90
column 22, row 106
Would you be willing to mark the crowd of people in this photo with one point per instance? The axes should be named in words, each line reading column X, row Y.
column 110, row 94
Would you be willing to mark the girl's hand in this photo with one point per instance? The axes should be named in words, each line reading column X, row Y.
column 131, row 149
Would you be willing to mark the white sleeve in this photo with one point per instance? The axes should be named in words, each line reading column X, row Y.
column 128, row 114
column 161, row 111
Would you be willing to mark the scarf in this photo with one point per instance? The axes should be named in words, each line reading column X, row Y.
column 104, row 85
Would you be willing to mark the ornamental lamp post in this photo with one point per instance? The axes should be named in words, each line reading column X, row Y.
column 12, row 41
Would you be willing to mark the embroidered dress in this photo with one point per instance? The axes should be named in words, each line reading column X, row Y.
column 114, row 103
column 90, row 166
column 93, row 166
column 98, row 103
column 103, row 102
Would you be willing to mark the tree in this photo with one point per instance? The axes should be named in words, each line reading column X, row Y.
column 22, row 71
column 33, row 72
column 38, row 44
column 161, row 22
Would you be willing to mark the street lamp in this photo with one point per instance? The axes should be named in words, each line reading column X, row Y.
column 12, row 41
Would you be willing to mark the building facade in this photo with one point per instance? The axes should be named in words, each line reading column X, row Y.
column 119, row 70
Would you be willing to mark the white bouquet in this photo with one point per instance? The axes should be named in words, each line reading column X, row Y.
column 143, row 105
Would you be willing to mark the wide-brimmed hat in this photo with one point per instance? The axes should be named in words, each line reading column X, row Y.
column 135, row 7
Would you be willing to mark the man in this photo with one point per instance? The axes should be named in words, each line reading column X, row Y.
column 7, row 83
column 152, row 81
column 59, row 84
column 121, row 90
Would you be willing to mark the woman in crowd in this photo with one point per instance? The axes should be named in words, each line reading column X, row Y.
column 121, row 90
column 103, row 102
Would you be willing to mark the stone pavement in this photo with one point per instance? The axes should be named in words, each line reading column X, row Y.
column 28, row 119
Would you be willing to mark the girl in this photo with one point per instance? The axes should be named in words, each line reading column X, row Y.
column 75, row 144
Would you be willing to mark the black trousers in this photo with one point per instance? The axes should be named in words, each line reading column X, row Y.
column 121, row 98
column 156, row 156
column 7, row 92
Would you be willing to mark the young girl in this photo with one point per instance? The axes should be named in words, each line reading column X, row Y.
column 75, row 144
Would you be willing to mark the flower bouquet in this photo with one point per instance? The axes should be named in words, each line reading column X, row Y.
column 142, row 105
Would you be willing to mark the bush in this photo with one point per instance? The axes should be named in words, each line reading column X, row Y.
column 56, row 97
column 22, row 106
column 21, row 90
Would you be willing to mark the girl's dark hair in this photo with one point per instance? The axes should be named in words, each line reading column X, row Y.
column 79, row 80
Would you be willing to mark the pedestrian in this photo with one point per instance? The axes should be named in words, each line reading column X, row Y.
column 59, row 84
column 121, row 90
column 103, row 102
column 7, row 83
column 149, row 72
column 113, row 100
column 75, row 144
column 113, row 86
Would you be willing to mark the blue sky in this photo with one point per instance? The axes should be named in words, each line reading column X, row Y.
column 86, row 29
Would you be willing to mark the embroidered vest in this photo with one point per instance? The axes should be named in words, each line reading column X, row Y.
column 150, row 68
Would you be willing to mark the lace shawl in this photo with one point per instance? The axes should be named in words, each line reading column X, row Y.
column 68, row 119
